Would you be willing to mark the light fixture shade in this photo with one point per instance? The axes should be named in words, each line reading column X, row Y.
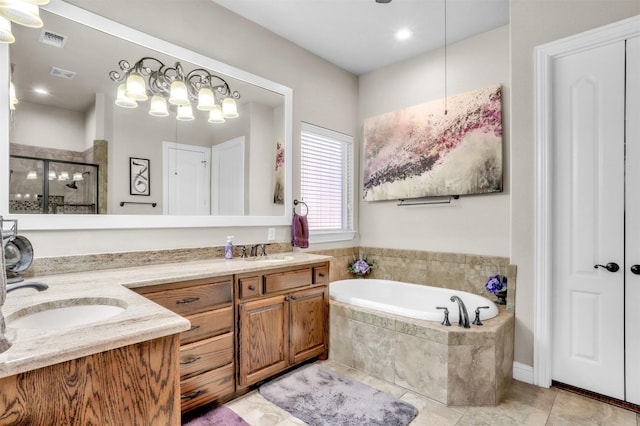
column 38, row 2
column 21, row 12
column 52, row 175
column 77, row 176
column 215, row 115
column 122, row 100
column 229, row 108
column 178, row 93
column 63, row 175
column 185, row 113
column 136, row 87
column 206, row 101
column 158, row 107
column 12, row 94
column 6, row 36
column 32, row 174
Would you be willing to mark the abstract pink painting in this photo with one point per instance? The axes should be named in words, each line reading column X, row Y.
column 420, row 151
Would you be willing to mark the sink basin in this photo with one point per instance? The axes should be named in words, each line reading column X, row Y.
column 66, row 313
column 271, row 259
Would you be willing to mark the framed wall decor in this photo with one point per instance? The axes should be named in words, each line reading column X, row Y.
column 436, row 149
column 139, row 183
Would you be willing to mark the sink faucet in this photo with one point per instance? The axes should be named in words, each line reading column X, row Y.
column 36, row 285
column 463, row 316
column 263, row 249
column 4, row 342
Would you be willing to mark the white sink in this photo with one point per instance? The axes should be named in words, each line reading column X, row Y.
column 66, row 313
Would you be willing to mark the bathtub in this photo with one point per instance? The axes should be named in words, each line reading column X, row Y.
column 408, row 300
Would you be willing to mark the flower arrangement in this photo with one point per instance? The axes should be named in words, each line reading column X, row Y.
column 360, row 266
column 497, row 284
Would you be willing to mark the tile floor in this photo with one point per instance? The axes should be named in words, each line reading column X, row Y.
column 525, row 405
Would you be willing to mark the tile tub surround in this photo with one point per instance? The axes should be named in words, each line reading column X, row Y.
column 142, row 320
column 457, row 271
column 454, row 366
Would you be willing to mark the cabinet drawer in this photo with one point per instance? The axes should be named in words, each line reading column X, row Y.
column 198, row 298
column 321, row 275
column 206, row 355
column 208, row 324
column 250, row 286
column 206, row 387
column 287, row 280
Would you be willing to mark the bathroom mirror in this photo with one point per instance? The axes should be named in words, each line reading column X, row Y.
column 79, row 122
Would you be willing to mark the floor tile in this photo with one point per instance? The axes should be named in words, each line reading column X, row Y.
column 572, row 409
column 432, row 413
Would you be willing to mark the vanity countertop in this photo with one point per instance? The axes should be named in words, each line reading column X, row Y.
column 142, row 320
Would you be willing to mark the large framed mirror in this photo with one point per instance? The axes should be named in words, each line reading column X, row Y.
column 132, row 169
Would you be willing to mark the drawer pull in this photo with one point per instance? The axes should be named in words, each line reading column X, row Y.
column 193, row 327
column 321, row 274
column 293, row 297
column 192, row 394
column 191, row 360
column 185, row 301
column 252, row 287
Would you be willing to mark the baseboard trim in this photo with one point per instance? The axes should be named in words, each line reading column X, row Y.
column 523, row 372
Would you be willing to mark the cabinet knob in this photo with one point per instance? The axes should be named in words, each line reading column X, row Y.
column 293, row 297
column 252, row 287
column 287, row 298
column 635, row 269
column 321, row 274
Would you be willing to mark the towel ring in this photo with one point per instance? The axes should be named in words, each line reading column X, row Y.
column 296, row 202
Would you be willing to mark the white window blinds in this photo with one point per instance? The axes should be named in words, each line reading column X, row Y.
column 326, row 186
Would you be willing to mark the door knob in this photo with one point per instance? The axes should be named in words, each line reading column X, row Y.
column 635, row 269
column 611, row 267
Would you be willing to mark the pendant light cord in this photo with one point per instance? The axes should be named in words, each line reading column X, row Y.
column 445, row 57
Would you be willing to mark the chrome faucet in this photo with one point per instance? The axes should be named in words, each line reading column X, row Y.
column 463, row 316
column 38, row 286
column 263, row 249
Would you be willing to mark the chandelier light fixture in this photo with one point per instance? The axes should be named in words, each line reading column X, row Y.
column 22, row 12
column 166, row 86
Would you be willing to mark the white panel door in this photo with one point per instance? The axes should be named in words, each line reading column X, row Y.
column 186, row 180
column 588, row 216
column 227, row 178
column 632, row 240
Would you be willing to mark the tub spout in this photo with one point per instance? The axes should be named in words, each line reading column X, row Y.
column 463, row 316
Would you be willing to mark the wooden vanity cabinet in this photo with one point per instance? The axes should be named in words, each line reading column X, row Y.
column 282, row 322
column 207, row 367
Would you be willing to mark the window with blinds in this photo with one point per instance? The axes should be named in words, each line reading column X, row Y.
column 326, row 186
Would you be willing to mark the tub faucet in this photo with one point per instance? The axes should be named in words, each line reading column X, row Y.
column 463, row 316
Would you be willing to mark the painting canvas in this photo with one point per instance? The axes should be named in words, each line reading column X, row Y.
column 278, row 186
column 139, row 176
column 427, row 150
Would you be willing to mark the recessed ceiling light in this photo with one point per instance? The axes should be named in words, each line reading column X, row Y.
column 403, row 34
column 41, row 91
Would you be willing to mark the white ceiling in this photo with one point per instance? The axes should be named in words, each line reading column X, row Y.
column 358, row 35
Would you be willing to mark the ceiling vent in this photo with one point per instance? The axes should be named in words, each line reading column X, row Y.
column 60, row 73
column 52, row 39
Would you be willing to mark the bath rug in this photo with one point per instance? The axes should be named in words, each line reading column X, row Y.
column 322, row 397
column 219, row 416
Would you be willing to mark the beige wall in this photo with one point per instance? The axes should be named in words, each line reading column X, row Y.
column 535, row 22
column 472, row 224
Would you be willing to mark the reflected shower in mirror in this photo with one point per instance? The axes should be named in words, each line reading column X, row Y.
column 219, row 158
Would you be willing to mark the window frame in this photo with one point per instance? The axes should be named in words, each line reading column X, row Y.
column 347, row 231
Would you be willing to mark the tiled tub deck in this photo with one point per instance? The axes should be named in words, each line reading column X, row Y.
column 452, row 365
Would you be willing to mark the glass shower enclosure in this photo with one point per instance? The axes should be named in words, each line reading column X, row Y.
column 44, row 186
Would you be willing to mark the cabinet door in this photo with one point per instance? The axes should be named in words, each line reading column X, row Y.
column 263, row 338
column 308, row 324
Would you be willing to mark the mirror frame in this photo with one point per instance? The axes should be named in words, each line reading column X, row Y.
column 116, row 221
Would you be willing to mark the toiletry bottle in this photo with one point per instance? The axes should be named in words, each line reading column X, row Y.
column 228, row 248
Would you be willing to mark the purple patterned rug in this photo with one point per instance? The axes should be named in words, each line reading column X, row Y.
column 322, row 397
column 219, row 416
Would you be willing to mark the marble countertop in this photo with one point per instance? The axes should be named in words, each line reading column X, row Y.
column 141, row 320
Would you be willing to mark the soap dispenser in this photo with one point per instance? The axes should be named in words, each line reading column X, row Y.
column 228, row 248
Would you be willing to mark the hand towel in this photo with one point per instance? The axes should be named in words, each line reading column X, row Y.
column 299, row 231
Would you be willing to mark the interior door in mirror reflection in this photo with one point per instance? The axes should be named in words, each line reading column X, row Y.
column 139, row 176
